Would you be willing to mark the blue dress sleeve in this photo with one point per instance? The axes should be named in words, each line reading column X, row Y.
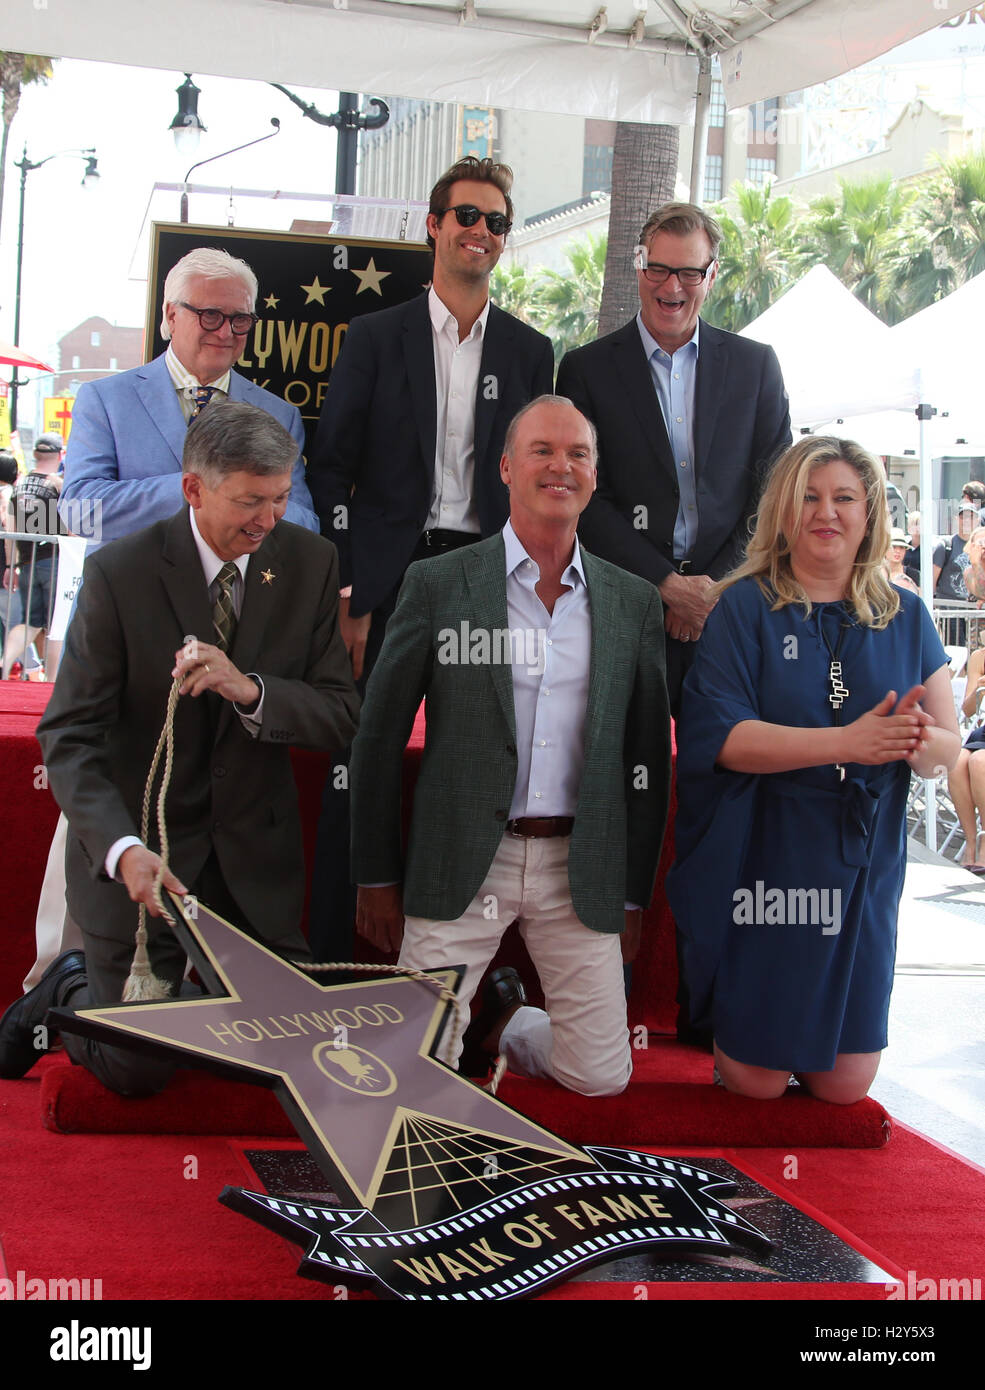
column 722, row 687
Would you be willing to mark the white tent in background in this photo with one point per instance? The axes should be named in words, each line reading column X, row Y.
column 946, row 340
column 943, row 344
column 837, row 358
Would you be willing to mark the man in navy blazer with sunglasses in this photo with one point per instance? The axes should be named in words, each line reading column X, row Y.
column 405, row 464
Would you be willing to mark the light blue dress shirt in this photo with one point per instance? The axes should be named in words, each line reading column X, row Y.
column 550, row 683
column 674, row 378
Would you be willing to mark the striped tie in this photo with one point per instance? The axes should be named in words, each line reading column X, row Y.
column 203, row 394
column 223, row 612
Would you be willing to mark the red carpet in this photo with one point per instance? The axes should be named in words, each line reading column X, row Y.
column 141, row 1213
column 670, row 1102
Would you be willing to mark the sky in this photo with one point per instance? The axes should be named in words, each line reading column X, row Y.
column 85, row 249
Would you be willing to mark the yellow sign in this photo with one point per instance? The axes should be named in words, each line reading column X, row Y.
column 4, row 417
column 58, row 415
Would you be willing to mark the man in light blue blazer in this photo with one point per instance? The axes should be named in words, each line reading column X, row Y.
column 123, row 464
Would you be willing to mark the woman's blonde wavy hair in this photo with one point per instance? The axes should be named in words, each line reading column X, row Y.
column 778, row 522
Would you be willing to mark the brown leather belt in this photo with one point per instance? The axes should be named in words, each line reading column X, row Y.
column 544, row 828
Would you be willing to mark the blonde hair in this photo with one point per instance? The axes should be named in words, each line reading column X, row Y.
column 778, row 523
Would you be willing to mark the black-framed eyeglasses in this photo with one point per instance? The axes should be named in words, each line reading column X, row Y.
column 467, row 215
column 213, row 319
column 686, row 274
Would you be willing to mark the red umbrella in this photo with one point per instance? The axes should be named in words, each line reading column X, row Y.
column 17, row 357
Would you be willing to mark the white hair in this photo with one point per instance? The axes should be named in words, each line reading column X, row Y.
column 213, row 265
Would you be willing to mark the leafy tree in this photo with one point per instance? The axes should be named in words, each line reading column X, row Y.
column 943, row 244
column 17, row 70
column 567, row 303
column 513, row 289
column 856, row 234
column 756, row 259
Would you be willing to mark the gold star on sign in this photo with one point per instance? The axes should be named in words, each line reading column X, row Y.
column 316, row 292
column 272, row 301
column 267, row 576
column 370, row 278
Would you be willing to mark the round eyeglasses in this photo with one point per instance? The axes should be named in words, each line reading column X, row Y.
column 213, row 319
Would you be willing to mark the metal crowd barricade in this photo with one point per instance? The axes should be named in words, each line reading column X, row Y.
column 16, row 605
column 960, row 624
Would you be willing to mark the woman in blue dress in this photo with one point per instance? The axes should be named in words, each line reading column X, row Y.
column 816, row 689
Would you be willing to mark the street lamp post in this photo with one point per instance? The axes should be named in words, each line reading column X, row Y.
column 348, row 121
column 27, row 166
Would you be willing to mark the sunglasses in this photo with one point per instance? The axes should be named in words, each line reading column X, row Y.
column 213, row 319
column 467, row 215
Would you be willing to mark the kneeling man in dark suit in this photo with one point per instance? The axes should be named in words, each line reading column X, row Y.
column 542, row 794
column 242, row 607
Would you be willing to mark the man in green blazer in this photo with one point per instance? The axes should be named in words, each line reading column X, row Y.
column 543, row 788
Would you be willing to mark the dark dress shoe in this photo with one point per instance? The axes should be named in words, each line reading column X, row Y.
column 21, row 1045
column 502, row 993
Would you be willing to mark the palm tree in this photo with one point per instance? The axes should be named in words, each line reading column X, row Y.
column 756, row 258
column 567, row 303
column 512, row 289
column 943, row 244
column 856, row 234
column 644, row 174
column 17, row 70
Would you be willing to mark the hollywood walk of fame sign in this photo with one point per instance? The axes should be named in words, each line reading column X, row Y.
column 443, row 1191
column 311, row 287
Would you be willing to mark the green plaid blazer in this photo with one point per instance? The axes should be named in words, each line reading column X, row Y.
column 469, row 766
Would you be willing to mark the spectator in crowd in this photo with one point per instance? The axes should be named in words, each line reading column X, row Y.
column 899, row 544
column 34, row 509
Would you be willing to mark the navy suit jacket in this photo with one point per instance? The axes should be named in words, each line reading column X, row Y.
column 741, row 425
column 124, row 452
column 372, row 464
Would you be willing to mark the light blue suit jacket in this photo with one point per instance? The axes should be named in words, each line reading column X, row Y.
column 123, row 462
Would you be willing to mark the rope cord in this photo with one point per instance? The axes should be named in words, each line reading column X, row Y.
column 143, row 984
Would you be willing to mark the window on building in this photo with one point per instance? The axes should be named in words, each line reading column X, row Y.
column 763, row 120
column 94, row 339
column 713, row 178
column 759, row 170
column 113, row 364
column 76, row 362
column 597, row 169
column 717, row 109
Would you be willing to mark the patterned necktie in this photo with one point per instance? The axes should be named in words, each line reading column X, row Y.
column 203, row 394
column 223, row 612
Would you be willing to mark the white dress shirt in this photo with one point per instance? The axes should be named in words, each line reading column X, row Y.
column 186, row 384
column 456, row 381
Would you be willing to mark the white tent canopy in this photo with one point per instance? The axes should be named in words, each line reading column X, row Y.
column 837, row 358
column 635, row 60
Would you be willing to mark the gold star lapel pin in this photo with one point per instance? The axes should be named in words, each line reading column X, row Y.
column 267, row 576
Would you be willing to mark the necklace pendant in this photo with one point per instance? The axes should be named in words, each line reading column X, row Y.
column 839, row 691
column 840, row 771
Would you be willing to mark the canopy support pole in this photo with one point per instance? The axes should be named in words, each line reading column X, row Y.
column 702, row 118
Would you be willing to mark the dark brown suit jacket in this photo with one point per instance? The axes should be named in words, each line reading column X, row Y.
column 229, row 794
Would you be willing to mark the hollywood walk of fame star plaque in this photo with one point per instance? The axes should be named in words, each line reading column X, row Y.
column 443, row 1192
